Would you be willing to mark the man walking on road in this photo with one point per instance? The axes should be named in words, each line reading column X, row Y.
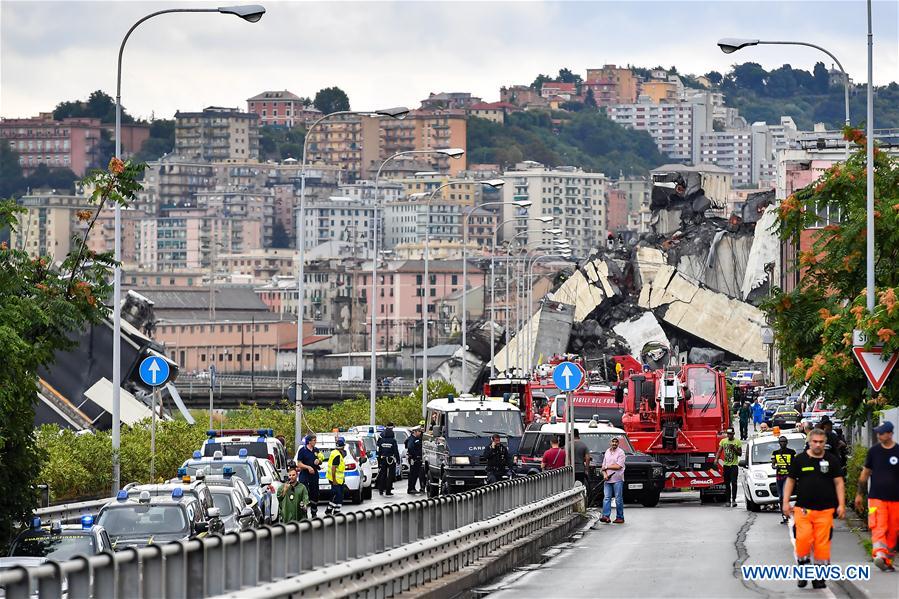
column 817, row 478
column 882, row 468
column 309, row 462
column 336, row 474
column 758, row 415
column 613, row 483
column 744, row 414
column 388, row 458
column 499, row 461
column 413, row 454
column 731, row 449
column 554, row 457
column 781, row 459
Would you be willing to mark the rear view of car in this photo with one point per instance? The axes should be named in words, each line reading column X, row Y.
column 260, row 443
column 327, row 442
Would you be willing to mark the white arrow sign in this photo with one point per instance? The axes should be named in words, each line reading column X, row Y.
column 154, row 370
column 567, row 374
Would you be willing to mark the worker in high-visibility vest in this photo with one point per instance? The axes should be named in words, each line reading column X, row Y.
column 336, row 476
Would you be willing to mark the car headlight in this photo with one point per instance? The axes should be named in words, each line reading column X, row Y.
column 461, row 460
column 759, row 475
column 658, row 472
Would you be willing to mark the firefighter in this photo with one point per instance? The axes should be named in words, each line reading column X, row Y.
column 781, row 459
column 388, row 458
column 744, row 414
column 817, row 478
column 882, row 468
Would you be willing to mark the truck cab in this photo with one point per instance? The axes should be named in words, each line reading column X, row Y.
column 457, row 432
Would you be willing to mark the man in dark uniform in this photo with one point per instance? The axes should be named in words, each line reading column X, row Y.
column 498, row 458
column 413, row 453
column 388, row 458
column 781, row 459
column 309, row 462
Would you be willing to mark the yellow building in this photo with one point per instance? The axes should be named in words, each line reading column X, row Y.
column 624, row 79
column 660, row 92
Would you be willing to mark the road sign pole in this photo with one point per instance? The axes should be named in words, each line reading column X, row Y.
column 154, row 403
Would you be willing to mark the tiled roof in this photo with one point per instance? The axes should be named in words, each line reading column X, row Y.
column 274, row 95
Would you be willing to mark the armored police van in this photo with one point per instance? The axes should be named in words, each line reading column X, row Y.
column 457, row 431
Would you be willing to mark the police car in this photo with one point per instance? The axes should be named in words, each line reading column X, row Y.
column 259, row 443
column 369, row 439
column 459, row 431
column 356, row 476
column 147, row 520
column 195, row 488
column 644, row 478
column 245, row 497
column 760, row 481
column 244, row 466
column 56, row 541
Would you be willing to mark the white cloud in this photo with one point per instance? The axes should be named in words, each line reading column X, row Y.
column 395, row 53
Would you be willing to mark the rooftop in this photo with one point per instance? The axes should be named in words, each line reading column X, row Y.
column 279, row 95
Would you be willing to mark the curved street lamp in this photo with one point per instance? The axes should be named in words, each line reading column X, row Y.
column 373, row 303
column 398, row 113
column 249, row 12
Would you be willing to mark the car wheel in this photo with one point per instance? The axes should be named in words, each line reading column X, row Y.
column 651, row 499
column 357, row 496
column 366, row 493
column 751, row 505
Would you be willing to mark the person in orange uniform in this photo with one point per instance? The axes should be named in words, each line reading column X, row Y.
column 882, row 468
column 817, row 477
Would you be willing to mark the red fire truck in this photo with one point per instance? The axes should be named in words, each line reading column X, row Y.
column 678, row 416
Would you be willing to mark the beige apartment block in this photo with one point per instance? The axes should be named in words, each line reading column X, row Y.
column 217, row 134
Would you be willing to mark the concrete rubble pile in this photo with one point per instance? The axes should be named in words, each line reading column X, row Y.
column 685, row 292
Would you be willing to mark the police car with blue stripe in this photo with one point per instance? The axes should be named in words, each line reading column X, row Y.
column 145, row 519
column 245, row 467
column 354, row 479
column 56, row 541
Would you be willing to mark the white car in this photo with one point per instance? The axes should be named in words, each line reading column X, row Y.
column 353, row 475
column 259, row 443
column 402, row 433
column 759, row 482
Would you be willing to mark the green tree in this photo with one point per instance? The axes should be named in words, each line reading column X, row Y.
column 590, row 99
column 279, row 235
column 11, row 180
column 331, row 99
column 822, row 78
column 539, row 81
column 566, row 76
column 99, row 105
column 161, row 140
column 714, row 77
column 44, row 177
column 813, row 323
column 750, row 75
column 40, row 308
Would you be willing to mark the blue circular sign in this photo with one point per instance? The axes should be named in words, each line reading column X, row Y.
column 154, row 371
column 568, row 376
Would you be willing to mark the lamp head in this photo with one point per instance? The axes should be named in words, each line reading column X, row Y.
column 554, row 231
column 523, row 203
column 729, row 45
column 398, row 112
column 248, row 12
column 494, row 183
column 546, row 219
column 451, row 152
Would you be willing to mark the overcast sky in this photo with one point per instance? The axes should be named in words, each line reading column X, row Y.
column 393, row 53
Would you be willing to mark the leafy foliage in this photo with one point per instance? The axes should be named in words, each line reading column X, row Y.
column 278, row 143
column 99, row 105
column 331, row 99
column 161, row 140
column 587, row 139
column 813, row 323
column 853, row 469
column 40, row 307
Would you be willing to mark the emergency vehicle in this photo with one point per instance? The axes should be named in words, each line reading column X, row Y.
column 759, row 483
column 259, row 443
column 591, row 402
column 56, row 541
column 357, row 475
column 458, row 432
column 147, row 520
column 246, row 467
column 677, row 416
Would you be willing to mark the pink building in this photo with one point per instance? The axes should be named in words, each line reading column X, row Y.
column 400, row 298
column 72, row 143
column 616, row 210
column 282, row 108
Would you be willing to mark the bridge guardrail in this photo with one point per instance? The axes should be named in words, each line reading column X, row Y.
column 236, row 562
column 324, row 384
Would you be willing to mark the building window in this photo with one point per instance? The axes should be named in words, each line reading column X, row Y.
column 257, row 357
column 202, row 357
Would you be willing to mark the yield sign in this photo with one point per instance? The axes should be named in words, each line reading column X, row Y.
column 876, row 368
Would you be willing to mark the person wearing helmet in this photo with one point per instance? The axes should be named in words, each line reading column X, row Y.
column 336, row 476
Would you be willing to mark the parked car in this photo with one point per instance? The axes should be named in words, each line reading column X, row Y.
column 759, row 483
column 235, row 513
column 148, row 520
column 245, row 496
column 259, row 443
column 785, row 417
column 327, row 442
column 56, row 541
column 244, row 466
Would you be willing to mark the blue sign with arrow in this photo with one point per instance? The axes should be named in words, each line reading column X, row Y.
column 568, row 376
column 154, row 371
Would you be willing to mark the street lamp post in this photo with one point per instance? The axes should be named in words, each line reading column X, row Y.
column 530, row 357
column 396, row 113
column 729, row 45
column 542, row 219
column 496, row 184
column 373, row 303
column 251, row 13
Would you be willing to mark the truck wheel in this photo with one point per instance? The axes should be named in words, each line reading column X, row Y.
column 433, row 486
column 705, row 497
column 651, row 499
column 751, row 505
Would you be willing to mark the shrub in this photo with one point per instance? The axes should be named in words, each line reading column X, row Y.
column 853, row 470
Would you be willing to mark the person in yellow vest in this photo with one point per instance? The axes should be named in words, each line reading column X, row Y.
column 336, row 476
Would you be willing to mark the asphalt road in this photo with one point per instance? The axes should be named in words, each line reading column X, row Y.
column 678, row 549
column 399, row 496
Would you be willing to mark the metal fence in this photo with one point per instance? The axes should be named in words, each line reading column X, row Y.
column 238, row 562
column 239, row 381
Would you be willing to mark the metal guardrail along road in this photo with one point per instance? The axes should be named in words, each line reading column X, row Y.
column 400, row 545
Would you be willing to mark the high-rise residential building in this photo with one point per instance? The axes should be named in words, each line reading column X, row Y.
column 282, row 108
column 407, row 218
column 574, row 198
column 72, row 143
column 612, row 85
column 749, row 153
column 341, row 222
column 255, row 204
column 660, row 91
column 676, row 127
column 217, row 134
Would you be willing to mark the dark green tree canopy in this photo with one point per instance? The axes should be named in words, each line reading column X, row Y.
column 99, row 105
column 331, row 99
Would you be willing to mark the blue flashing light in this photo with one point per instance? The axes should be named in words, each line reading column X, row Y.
column 371, row 430
column 212, row 434
column 122, row 495
column 266, row 432
column 36, row 522
column 261, row 439
column 197, row 455
column 227, row 471
column 178, row 492
column 242, row 453
column 87, row 521
column 182, row 472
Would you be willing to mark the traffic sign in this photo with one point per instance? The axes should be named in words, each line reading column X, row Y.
column 212, row 374
column 154, row 371
column 568, row 376
column 859, row 338
column 876, row 367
